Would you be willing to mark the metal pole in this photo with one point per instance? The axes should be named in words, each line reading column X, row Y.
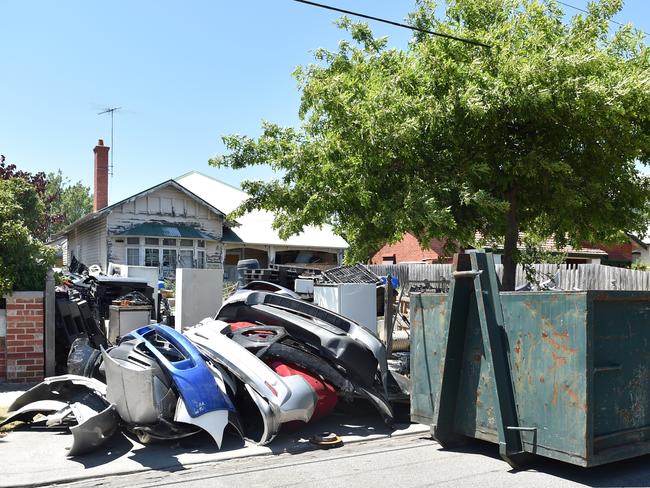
column 50, row 323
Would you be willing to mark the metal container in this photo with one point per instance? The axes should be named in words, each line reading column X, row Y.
column 576, row 364
column 124, row 319
column 356, row 301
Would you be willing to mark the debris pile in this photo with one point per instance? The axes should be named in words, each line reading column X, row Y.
column 266, row 362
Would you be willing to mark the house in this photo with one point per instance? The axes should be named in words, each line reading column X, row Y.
column 409, row 250
column 254, row 236
column 182, row 223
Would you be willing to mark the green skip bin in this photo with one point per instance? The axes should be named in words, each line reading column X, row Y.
column 560, row 374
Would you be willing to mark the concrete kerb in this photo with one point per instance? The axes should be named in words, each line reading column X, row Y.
column 161, row 457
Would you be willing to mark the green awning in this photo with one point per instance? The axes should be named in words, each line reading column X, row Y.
column 229, row 235
column 152, row 229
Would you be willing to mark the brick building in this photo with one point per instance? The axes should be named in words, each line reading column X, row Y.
column 408, row 249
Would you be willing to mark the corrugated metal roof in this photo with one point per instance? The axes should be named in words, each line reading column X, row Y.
column 230, row 235
column 256, row 227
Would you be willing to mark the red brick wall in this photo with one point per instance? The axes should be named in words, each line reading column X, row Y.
column 23, row 349
column 408, row 249
column 3, row 359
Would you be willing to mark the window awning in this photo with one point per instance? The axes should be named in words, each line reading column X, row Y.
column 152, row 229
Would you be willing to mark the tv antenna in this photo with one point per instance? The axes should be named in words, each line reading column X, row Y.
column 111, row 110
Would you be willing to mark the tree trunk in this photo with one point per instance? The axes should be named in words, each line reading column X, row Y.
column 510, row 245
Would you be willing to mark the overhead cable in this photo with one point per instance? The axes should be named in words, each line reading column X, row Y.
column 391, row 22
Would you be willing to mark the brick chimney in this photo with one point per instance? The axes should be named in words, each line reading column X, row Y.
column 100, row 193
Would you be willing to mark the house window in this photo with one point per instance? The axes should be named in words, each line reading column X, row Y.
column 133, row 256
column 187, row 243
column 134, row 241
column 169, row 242
column 169, row 258
column 151, row 257
column 186, row 258
column 200, row 259
column 152, row 241
column 200, row 243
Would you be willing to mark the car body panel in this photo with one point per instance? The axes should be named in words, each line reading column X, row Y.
column 291, row 398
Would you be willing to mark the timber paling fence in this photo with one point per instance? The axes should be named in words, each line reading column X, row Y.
column 564, row 276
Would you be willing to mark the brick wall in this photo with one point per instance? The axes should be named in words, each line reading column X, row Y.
column 23, row 356
column 408, row 249
column 3, row 359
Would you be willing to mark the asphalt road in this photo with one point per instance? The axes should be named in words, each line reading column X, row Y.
column 408, row 461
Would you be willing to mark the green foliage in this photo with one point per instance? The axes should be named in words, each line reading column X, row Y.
column 68, row 202
column 639, row 266
column 533, row 253
column 538, row 134
column 24, row 260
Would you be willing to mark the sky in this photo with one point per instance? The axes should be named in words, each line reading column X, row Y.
column 183, row 73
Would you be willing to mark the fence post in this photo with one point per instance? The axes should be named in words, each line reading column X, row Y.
column 50, row 323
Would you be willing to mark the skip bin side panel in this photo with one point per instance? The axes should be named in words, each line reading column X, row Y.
column 546, row 338
column 548, row 334
column 621, row 375
column 427, row 313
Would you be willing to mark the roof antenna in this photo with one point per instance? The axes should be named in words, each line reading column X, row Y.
column 111, row 110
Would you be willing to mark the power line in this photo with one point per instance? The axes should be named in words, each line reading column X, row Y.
column 391, row 22
column 587, row 11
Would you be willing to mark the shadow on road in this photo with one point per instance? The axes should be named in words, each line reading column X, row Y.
column 629, row 473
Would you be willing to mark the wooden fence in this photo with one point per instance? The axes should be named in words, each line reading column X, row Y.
column 565, row 277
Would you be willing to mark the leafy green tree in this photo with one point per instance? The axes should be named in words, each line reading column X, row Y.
column 538, row 134
column 24, row 260
column 39, row 182
column 68, row 202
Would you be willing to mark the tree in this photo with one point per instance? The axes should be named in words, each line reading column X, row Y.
column 68, row 202
column 24, row 260
column 538, row 134
column 38, row 181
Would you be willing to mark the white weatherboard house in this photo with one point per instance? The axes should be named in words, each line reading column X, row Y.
column 253, row 235
column 182, row 223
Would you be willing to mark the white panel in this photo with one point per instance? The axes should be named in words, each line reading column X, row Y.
column 154, row 205
column 129, row 207
column 198, row 295
column 190, row 208
column 359, row 303
column 327, row 296
column 166, row 205
column 141, row 205
column 356, row 301
column 179, row 207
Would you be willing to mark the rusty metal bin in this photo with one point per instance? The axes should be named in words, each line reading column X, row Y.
column 578, row 365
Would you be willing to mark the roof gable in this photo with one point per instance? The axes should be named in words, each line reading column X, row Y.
column 132, row 198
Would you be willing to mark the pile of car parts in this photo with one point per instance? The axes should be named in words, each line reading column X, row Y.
column 266, row 362
column 69, row 401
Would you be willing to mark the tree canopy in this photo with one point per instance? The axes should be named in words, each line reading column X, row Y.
column 540, row 133
column 68, row 201
column 24, row 259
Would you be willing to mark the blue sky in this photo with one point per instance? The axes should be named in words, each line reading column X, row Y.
column 185, row 73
